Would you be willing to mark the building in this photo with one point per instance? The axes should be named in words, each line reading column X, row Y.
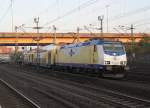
column 5, row 53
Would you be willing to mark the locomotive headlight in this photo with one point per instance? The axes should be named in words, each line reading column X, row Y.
column 107, row 62
column 123, row 62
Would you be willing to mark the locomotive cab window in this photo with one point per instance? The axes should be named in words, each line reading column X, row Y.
column 113, row 47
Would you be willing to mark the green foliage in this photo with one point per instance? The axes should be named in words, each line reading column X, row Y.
column 145, row 42
column 143, row 47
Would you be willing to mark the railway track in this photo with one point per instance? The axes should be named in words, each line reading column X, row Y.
column 138, row 77
column 137, row 88
column 85, row 94
column 12, row 93
column 133, row 76
column 114, row 98
column 139, row 74
column 67, row 104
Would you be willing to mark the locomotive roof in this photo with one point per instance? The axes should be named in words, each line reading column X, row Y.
column 88, row 43
column 48, row 47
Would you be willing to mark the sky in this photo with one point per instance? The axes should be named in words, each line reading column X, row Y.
column 67, row 15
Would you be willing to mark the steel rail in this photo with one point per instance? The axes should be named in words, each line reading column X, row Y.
column 29, row 101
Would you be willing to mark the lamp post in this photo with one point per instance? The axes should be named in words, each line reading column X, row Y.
column 107, row 6
column 100, row 18
column 16, row 42
column 12, row 16
column 132, row 39
column 16, row 45
column 36, row 21
column 54, row 40
column 78, row 29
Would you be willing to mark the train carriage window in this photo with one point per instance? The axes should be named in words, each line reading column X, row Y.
column 29, row 58
column 86, row 43
column 56, row 52
column 95, row 49
column 49, row 57
column 32, row 58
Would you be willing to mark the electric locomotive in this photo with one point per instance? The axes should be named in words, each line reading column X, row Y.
column 105, row 57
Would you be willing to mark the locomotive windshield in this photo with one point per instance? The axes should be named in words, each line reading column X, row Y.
column 113, row 47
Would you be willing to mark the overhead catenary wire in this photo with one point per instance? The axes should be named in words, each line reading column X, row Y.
column 99, row 7
column 58, row 12
column 92, row 11
column 142, row 24
column 146, row 29
column 137, row 11
column 45, row 11
column 139, row 23
column 82, row 6
column 48, row 8
column 128, row 14
column 131, row 13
